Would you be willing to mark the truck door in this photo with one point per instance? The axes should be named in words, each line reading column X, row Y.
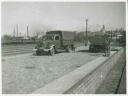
column 57, row 41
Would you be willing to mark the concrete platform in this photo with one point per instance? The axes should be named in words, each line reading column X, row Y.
column 66, row 82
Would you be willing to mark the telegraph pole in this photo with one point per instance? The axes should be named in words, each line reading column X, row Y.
column 17, row 29
column 111, row 35
column 116, row 34
column 14, row 32
column 86, row 32
column 27, row 31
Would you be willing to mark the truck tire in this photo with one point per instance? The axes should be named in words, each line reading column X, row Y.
column 39, row 52
column 67, row 49
column 52, row 51
column 55, row 51
column 90, row 49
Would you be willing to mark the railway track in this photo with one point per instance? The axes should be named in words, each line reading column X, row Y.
column 16, row 52
column 8, row 50
column 15, row 49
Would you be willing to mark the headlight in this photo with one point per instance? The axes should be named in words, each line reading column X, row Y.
column 46, row 49
column 34, row 50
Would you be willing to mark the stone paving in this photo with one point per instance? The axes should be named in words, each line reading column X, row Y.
column 110, row 84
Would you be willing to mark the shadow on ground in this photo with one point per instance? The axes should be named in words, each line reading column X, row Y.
column 92, row 53
column 83, row 51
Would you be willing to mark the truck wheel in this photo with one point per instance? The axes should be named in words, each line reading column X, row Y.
column 39, row 52
column 55, row 51
column 90, row 49
column 52, row 51
column 67, row 49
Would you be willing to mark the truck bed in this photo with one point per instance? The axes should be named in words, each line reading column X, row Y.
column 97, row 39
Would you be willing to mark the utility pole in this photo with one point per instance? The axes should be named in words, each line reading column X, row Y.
column 17, row 29
column 86, row 32
column 14, row 32
column 116, row 35
column 27, row 31
column 111, row 35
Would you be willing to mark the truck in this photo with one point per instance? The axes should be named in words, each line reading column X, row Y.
column 54, row 41
column 100, row 43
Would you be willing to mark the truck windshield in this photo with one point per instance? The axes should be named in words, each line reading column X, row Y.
column 49, row 37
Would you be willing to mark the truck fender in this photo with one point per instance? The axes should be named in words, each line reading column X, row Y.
column 52, row 46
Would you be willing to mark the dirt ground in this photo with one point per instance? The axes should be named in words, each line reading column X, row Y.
column 26, row 73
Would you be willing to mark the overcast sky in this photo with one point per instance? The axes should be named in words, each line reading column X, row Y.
column 40, row 16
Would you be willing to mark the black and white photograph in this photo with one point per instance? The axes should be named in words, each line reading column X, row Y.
column 63, row 47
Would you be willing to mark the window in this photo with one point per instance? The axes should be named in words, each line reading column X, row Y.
column 57, row 38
